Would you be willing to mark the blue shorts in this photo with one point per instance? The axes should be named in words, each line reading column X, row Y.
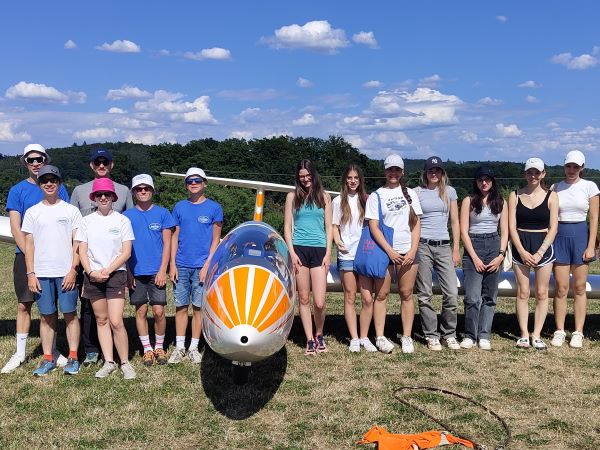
column 188, row 285
column 51, row 293
column 345, row 265
column 570, row 243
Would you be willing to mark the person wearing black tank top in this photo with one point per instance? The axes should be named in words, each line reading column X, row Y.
column 532, row 221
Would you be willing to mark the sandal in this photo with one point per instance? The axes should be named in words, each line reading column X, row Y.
column 538, row 344
column 310, row 348
column 523, row 343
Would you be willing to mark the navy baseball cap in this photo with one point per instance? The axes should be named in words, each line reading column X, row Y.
column 100, row 153
column 484, row 171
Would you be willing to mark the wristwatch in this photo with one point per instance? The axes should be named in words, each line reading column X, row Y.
column 502, row 252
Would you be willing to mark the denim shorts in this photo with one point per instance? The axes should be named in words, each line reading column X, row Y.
column 570, row 243
column 188, row 285
column 146, row 291
column 51, row 293
column 346, row 265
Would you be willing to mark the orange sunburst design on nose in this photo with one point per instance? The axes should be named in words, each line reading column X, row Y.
column 248, row 295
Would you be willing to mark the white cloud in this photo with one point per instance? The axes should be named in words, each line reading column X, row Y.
column 529, row 84
column 469, row 136
column 151, row 137
column 120, row 46
column 164, row 52
column 365, row 38
column 390, row 137
column 43, row 94
column 69, row 45
column 502, row 19
column 306, row 119
column 95, row 133
column 532, row 99
column 247, row 135
column 252, row 94
column 199, row 112
column 115, row 110
column 489, row 101
column 510, row 131
column 303, row 82
column 372, row 84
column 209, row 53
column 431, row 81
column 127, row 92
column 165, row 102
column 250, row 115
column 8, row 133
column 317, row 35
column 581, row 62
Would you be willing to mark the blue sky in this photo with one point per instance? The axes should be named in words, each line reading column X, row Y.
column 468, row 80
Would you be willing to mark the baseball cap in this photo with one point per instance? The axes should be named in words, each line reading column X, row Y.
column 100, row 153
column 484, row 171
column 49, row 170
column 576, row 157
column 195, row 171
column 34, row 148
column 433, row 162
column 534, row 163
column 103, row 185
column 393, row 161
column 142, row 178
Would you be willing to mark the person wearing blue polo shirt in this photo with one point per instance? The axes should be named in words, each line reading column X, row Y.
column 147, row 267
column 21, row 197
column 198, row 221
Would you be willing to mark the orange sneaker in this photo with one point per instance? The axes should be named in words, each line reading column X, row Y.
column 160, row 355
column 148, row 358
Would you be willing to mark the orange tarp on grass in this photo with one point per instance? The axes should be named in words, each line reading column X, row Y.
column 428, row 439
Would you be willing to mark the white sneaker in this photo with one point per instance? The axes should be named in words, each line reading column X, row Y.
column 485, row 344
column 128, row 371
column 452, row 343
column 537, row 343
column 354, row 346
column 106, row 369
column 61, row 361
column 367, row 345
column 434, row 344
column 194, row 356
column 558, row 338
column 177, row 356
column 467, row 343
column 384, row 345
column 576, row 340
column 407, row 344
column 14, row 362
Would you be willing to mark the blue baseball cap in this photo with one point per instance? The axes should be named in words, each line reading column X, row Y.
column 100, row 153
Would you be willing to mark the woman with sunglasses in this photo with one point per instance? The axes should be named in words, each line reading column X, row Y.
column 105, row 246
column 308, row 234
column 574, row 244
column 482, row 213
column 532, row 221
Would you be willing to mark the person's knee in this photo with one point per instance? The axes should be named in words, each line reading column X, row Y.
column 381, row 297
column 304, row 298
column 101, row 320
column 24, row 308
column 367, row 301
column 116, row 323
column 541, row 295
column 159, row 314
column 561, row 290
column 141, row 312
column 405, row 295
column 350, row 297
column 579, row 289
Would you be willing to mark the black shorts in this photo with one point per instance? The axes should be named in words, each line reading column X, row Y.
column 147, row 292
column 310, row 256
column 24, row 295
column 114, row 287
column 531, row 242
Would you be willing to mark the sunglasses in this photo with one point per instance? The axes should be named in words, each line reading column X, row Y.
column 484, row 180
column 100, row 194
column 194, row 180
column 101, row 162
column 35, row 159
column 142, row 189
column 47, row 180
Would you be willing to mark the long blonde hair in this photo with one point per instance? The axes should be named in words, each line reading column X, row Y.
column 441, row 187
column 360, row 191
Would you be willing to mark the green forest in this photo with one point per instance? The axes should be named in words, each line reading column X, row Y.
column 269, row 159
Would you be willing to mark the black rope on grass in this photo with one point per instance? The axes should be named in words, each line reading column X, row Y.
column 501, row 445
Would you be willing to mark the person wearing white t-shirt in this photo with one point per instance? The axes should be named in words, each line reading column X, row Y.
column 348, row 219
column 574, row 245
column 105, row 246
column 51, row 259
column 401, row 210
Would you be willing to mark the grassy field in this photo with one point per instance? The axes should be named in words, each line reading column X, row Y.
column 549, row 399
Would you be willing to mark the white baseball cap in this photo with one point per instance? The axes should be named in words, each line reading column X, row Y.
column 142, row 178
column 34, row 148
column 195, row 171
column 393, row 161
column 534, row 163
column 576, row 157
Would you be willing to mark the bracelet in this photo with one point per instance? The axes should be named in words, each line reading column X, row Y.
column 502, row 252
column 30, row 273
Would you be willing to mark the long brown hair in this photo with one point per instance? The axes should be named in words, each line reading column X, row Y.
column 360, row 191
column 315, row 195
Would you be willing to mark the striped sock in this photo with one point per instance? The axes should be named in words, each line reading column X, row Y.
column 160, row 339
column 180, row 342
column 146, row 343
column 194, row 344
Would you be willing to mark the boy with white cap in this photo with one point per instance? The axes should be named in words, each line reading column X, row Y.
column 147, row 267
column 21, row 197
column 198, row 229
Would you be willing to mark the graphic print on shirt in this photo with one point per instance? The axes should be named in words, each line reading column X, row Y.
column 395, row 205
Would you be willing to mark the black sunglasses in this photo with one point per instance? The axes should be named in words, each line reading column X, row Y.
column 50, row 179
column 142, row 189
column 104, row 162
column 194, row 180
column 35, row 159
column 107, row 194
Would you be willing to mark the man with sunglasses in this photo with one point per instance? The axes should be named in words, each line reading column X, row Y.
column 198, row 222
column 147, row 268
column 21, row 197
column 101, row 163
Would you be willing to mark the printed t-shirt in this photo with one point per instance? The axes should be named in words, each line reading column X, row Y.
column 81, row 198
column 350, row 231
column 574, row 199
column 434, row 221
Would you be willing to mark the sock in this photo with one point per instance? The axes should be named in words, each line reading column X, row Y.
column 22, row 344
column 180, row 342
column 194, row 344
column 146, row 343
column 73, row 354
column 159, row 341
column 48, row 358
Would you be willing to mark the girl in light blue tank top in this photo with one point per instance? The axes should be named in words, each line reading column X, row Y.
column 308, row 234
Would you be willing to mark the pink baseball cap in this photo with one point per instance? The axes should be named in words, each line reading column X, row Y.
column 103, row 185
